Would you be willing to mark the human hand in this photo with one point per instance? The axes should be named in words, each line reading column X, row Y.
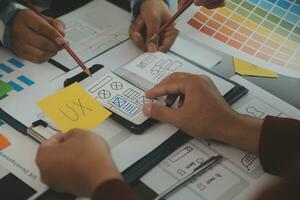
column 210, row 4
column 76, row 162
column 34, row 39
column 201, row 108
column 153, row 14
column 202, row 111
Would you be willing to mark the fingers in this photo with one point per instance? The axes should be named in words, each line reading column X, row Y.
column 42, row 27
column 180, row 3
column 170, row 85
column 168, row 38
column 161, row 113
column 56, row 139
column 152, row 28
column 73, row 133
column 210, row 4
column 39, row 41
column 57, row 24
column 33, row 54
column 34, row 39
column 135, row 33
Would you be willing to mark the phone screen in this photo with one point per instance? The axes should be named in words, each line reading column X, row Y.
column 120, row 97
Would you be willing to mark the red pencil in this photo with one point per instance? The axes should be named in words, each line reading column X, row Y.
column 173, row 18
column 66, row 46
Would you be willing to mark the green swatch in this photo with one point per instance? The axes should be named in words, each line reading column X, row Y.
column 4, row 88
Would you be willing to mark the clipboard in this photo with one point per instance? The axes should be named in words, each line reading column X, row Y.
column 137, row 170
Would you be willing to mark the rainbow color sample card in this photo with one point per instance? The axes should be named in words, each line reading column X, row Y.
column 263, row 32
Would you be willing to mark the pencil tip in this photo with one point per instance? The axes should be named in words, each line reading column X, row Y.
column 87, row 71
column 153, row 37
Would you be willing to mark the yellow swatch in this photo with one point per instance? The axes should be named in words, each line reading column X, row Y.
column 4, row 142
column 73, row 107
column 247, row 69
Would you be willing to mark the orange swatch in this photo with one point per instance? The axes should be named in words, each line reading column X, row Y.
column 3, row 142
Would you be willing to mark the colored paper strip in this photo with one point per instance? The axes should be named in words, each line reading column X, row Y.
column 16, row 63
column 15, row 86
column 4, row 88
column 25, row 80
column 5, row 68
column 247, row 69
column 4, row 142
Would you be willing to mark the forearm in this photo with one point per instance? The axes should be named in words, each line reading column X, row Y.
column 7, row 14
column 114, row 190
column 241, row 131
column 279, row 148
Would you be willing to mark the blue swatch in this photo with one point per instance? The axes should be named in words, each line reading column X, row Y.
column 296, row 10
column 292, row 18
column 278, row 11
column 272, row 1
column 283, row 4
column 1, row 122
column 16, row 87
column 265, row 5
column 16, row 63
column 6, row 68
column 26, row 80
column 254, row 1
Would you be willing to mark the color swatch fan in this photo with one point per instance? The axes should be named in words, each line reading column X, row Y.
column 263, row 32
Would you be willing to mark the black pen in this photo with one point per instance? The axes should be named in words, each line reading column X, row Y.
column 201, row 169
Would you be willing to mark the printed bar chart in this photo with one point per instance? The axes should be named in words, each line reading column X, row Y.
column 12, row 66
column 268, row 30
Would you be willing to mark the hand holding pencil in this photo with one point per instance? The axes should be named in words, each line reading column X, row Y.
column 183, row 5
column 33, row 39
column 59, row 37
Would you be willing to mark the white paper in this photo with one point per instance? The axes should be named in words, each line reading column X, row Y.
column 126, row 147
column 19, row 159
column 239, row 176
column 151, row 68
column 92, row 30
column 192, row 51
column 3, row 172
column 290, row 60
column 37, row 73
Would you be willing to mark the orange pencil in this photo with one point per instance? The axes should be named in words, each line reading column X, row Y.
column 173, row 18
column 66, row 46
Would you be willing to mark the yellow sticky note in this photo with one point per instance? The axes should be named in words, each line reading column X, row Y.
column 73, row 107
column 248, row 69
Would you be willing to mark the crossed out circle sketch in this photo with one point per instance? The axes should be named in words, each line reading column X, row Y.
column 104, row 94
column 116, row 85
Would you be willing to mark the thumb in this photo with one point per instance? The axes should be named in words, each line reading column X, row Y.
column 152, row 28
column 161, row 113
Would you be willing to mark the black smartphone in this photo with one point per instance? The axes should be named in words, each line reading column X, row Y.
column 122, row 98
column 134, row 128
